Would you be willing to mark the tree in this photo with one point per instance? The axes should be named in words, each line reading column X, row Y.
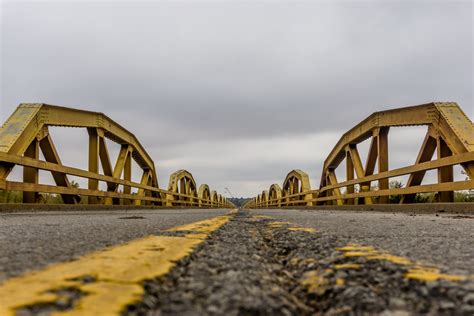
column 394, row 184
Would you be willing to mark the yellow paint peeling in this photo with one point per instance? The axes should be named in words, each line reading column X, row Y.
column 430, row 275
column 315, row 282
column 352, row 247
column 340, row 282
column 347, row 266
column 359, row 253
column 303, row 229
column 118, row 271
column 278, row 224
column 416, row 272
column 391, row 258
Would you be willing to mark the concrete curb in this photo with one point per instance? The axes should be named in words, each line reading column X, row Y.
column 11, row 208
column 462, row 208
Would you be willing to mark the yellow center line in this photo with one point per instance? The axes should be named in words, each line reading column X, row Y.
column 118, row 273
column 416, row 271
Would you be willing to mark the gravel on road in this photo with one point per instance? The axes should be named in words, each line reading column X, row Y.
column 256, row 265
column 442, row 239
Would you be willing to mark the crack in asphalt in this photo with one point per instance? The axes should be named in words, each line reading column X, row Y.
column 254, row 265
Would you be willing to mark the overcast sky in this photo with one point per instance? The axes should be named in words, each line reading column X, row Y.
column 238, row 93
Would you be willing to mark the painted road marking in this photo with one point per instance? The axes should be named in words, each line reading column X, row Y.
column 115, row 274
column 293, row 227
column 416, row 271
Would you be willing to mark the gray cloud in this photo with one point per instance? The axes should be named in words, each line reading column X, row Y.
column 234, row 76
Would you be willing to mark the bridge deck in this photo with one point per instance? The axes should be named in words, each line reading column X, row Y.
column 261, row 261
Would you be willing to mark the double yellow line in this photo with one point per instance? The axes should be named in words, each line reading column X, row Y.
column 115, row 275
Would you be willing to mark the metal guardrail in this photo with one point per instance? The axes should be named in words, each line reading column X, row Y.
column 450, row 133
column 26, row 132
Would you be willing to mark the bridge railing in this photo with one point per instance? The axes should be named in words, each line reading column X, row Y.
column 26, row 133
column 450, row 134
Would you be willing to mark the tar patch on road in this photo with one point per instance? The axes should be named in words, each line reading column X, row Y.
column 256, row 266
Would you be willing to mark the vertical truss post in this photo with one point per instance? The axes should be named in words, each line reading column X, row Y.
column 328, row 192
column 30, row 175
column 291, row 191
column 127, row 175
column 150, row 193
column 382, row 153
column 349, row 175
column 445, row 174
column 188, row 193
column 182, row 190
column 93, row 162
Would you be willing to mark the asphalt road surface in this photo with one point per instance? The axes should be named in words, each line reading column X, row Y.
column 261, row 262
column 443, row 239
column 35, row 239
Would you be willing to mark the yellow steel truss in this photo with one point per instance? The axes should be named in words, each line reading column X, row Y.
column 26, row 132
column 450, row 134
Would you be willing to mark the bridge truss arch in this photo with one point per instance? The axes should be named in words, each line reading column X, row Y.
column 26, row 133
column 296, row 188
column 204, row 195
column 275, row 194
column 183, row 185
column 450, row 134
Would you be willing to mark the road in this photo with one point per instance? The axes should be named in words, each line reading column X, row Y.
column 259, row 262
column 33, row 240
column 442, row 239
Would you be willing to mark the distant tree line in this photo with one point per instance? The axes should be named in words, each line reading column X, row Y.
column 7, row 196
column 239, row 201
